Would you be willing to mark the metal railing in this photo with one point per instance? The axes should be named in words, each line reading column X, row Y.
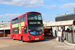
column 69, row 37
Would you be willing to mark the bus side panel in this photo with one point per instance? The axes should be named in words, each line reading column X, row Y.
column 19, row 37
column 14, row 36
column 25, row 37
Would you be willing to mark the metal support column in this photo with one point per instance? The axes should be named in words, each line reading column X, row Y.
column 67, row 36
column 73, row 34
column 4, row 33
column 56, row 31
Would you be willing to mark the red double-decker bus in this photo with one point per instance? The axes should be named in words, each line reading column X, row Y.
column 27, row 27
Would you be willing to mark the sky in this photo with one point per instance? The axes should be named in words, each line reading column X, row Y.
column 49, row 9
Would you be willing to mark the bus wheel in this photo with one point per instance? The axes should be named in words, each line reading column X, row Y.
column 13, row 38
column 22, row 39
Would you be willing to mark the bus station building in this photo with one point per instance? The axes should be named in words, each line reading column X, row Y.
column 4, row 28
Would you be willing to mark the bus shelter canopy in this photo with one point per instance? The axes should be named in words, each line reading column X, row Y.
column 61, row 23
column 6, row 28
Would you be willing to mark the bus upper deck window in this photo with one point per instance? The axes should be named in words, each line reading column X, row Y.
column 32, row 18
column 35, row 17
column 24, row 17
column 21, row 19
column 39, row 17
column 12, row 21
column 18, row 19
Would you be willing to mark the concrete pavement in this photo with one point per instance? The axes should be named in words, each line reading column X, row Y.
column 47, row 44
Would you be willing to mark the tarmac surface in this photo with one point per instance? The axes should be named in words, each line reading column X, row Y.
column 6, row 43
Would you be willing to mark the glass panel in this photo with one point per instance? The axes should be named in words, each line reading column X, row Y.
column 15, row 30
column 34, row 16
column 24, row 17
column 14, row 21
column 25, row 29
column 18, row 19
column 39, row 17
column 21, row 19
column 36, row 30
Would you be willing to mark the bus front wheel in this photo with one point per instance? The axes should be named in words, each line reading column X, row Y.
column 13, row 38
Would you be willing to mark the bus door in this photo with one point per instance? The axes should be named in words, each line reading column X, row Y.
column 24, row 30
column 21, row 32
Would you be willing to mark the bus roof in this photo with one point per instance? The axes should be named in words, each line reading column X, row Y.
column 25, row 13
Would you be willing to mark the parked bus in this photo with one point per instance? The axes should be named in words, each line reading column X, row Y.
column 27, row 27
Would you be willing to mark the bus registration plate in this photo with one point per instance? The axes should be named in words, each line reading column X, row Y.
column 36, row 38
